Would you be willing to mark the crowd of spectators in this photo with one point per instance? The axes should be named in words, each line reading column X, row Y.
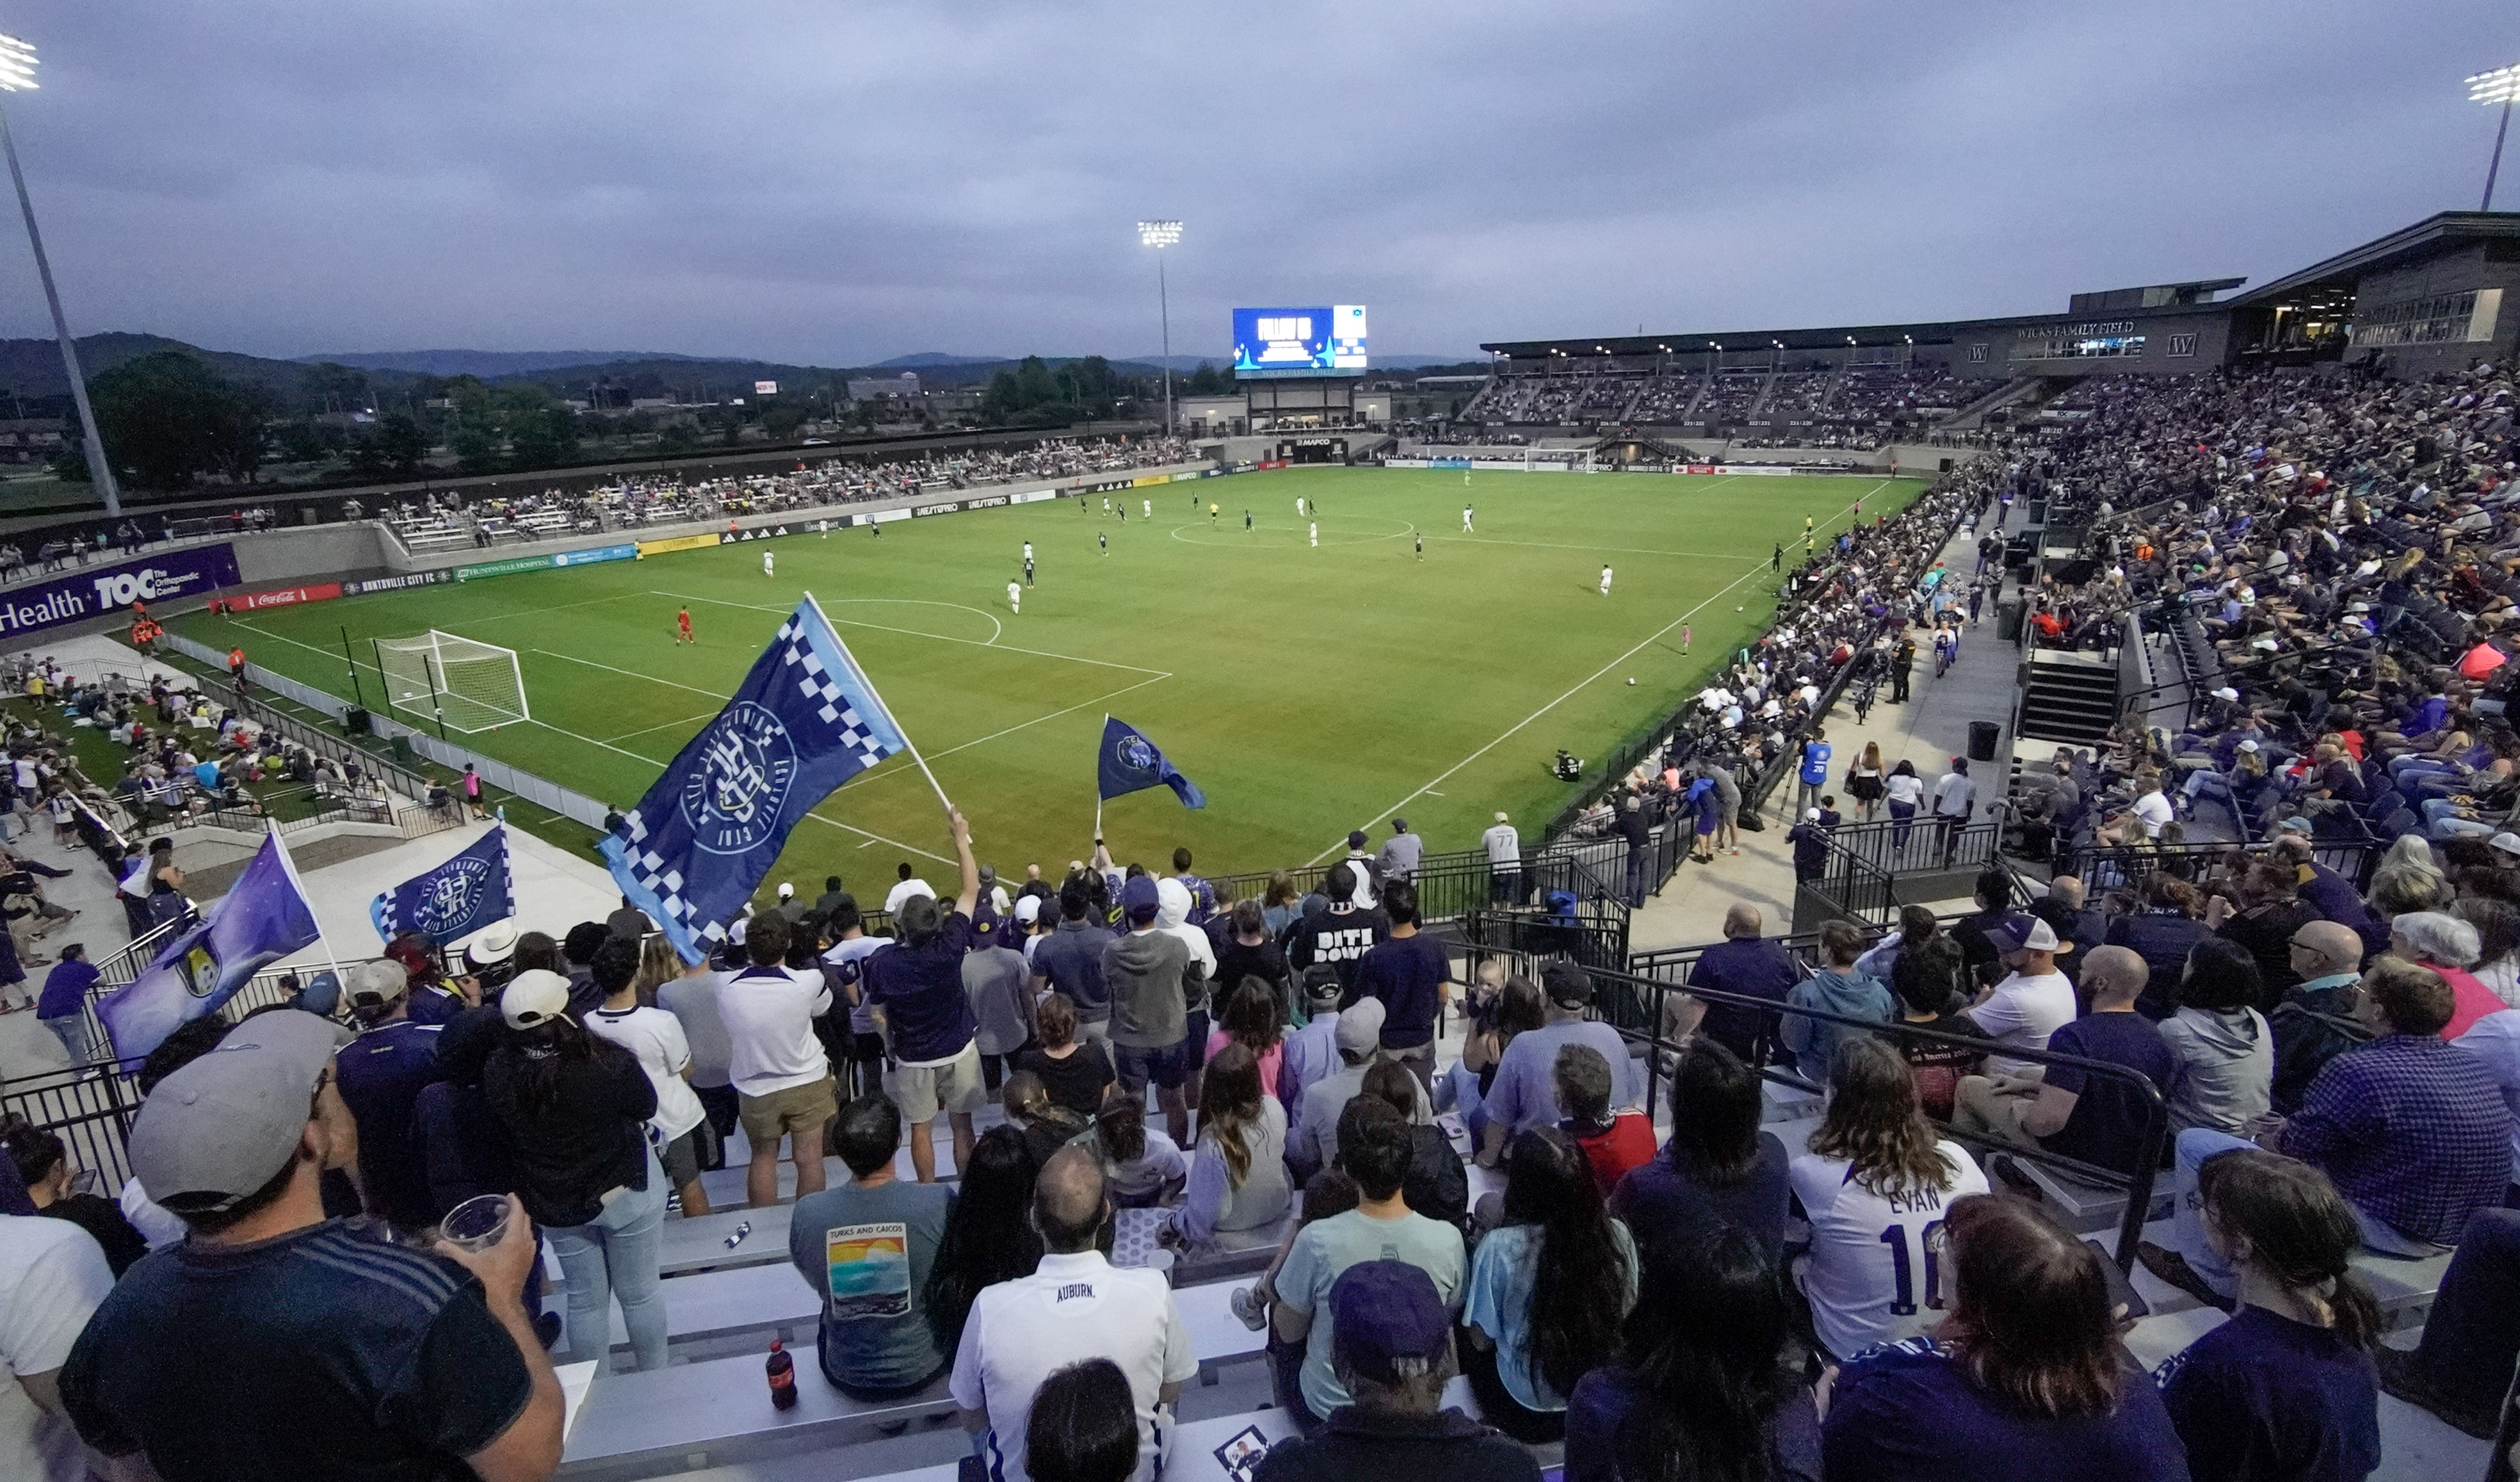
column 648, row 500
column 2339, row 1057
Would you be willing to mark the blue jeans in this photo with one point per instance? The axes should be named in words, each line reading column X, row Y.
column 616, row 1255
column 72, row 1031
column 2471, row 1338
column 2195, row 1146
column 1900, row 814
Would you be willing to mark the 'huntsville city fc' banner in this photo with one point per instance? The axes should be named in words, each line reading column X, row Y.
column 100, row 591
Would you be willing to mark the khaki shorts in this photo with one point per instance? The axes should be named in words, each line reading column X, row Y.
column 799, row 1109
column 955, row 1086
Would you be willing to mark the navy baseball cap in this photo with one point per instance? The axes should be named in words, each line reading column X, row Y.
column 1140, row 897
column 1389, row 1321
column 1356, row 838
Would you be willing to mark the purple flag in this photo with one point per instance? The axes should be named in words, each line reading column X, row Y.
column 264, row 917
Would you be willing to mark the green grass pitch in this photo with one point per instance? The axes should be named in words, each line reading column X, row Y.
column 1308, row 690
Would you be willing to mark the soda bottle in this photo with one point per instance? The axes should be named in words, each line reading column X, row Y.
column 783, row 1376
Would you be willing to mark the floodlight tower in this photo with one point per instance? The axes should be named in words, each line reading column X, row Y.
column 2500, row 85
column 1160, row 235
column 17, row 74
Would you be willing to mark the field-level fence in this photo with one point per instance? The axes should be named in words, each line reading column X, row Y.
column 540, row 791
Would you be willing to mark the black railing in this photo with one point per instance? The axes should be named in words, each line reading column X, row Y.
column 2103, row 867
column 1653, row 995
column 1451, row 885
column 326, row 743
column 1924, row 845
column 90, row 1107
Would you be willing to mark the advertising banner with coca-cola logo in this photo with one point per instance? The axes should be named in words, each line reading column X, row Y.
column 288, row 596
column 101, row 591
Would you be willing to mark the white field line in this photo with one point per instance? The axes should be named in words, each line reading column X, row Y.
column 1579, row 685
column 496, row 618
column 871, row 839
column 633, row 673
column 661, row 725
column 946, row 638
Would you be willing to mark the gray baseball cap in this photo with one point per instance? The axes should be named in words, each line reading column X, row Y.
column 221, row 1127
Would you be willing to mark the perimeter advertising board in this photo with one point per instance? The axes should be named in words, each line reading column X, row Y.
column 97, row 591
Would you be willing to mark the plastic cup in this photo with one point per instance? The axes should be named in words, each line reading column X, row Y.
column 476, row 1223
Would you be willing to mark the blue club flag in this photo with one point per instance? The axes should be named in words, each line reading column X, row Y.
column 1129, row 763
column 264, row 917
column 453, row 900
column 804, row 721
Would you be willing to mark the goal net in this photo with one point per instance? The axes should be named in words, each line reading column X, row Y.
column 472, row 686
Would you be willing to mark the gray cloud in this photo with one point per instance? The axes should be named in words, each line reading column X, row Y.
column 837, row 183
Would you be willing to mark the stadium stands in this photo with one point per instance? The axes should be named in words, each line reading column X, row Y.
column 443, row 519
column 2322, row 568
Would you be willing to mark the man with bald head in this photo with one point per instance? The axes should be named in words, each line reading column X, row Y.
column 2070, row 1110
column 2314, row 1024
column 1747, row 963
column 1075, row 1306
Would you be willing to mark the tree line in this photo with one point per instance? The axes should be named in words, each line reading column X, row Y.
column 171, row 419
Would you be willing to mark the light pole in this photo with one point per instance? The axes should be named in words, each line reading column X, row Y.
column 1160, row 235
column 2500, row 85
column 17, row 74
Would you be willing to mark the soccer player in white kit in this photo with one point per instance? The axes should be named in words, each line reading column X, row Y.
column 1466, row 519
column 1606, row 581
column 1317, row 532
column 1014, row 596
column 1299, row 507
column 1149, row 506
column 766, row 560
column 1027, row 553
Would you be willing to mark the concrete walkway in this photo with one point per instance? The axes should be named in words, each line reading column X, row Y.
column 1927, row 731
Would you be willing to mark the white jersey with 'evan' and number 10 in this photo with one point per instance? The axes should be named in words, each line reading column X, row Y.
column 1874, row 1273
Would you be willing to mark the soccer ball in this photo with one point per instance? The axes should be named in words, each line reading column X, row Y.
column 1631, row 679
column 1736, row 607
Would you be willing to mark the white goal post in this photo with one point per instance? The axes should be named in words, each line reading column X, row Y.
column 468, row 685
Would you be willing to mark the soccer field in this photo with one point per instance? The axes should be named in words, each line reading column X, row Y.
column 1308, row 690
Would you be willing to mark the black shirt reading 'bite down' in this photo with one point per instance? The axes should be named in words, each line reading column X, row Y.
column 329, row 1352
column 591, row 1140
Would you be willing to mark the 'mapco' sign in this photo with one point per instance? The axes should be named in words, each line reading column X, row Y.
column 101, row 591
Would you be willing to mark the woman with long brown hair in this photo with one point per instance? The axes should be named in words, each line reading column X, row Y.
column 2286, row 1388
column 2024, row 1379
column 1863, row 779
column 1876, row 1184
column 1238, row 1194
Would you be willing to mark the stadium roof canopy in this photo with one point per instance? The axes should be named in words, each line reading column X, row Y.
column 2329, row 287
column 2336, row 277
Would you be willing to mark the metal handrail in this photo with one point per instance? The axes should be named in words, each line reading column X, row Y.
column 2150, row 1143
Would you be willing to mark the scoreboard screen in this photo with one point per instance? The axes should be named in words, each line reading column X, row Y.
column 1319, row 340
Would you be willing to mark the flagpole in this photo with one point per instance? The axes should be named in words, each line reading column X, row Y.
column 907, row 744
column 1097, row 784
column 291, row 867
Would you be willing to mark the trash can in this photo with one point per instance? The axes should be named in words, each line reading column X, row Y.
column 1982, row 734
column 2008, row 619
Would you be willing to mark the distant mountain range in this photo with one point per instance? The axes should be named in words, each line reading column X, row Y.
column 486, row 364
column 30, row 370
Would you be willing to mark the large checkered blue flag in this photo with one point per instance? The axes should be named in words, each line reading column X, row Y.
column 804, row 721
column 453, row 900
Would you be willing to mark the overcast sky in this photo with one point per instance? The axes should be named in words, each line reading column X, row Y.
column 838, row 183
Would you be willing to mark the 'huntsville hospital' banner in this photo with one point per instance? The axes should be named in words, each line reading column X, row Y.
column 100, row 591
